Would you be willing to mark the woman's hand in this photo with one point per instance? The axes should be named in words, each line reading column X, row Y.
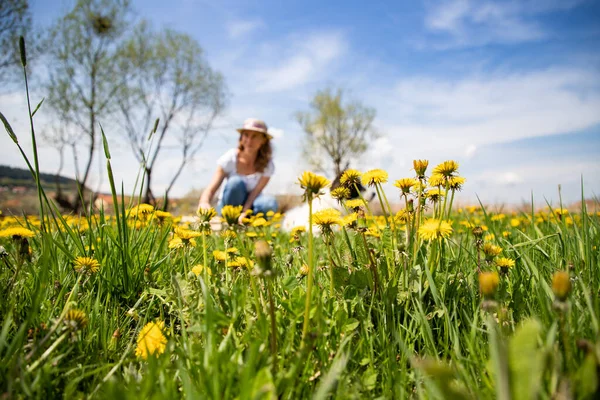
column 203, row 205
column 243, row 216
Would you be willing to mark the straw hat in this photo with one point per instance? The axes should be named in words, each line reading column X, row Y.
column 256, row 125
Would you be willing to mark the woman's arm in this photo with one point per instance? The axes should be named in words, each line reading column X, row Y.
column 254, row 193
column 212, row 187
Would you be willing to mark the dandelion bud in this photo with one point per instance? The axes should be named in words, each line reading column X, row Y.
column 561, row 285
column 264, row 254
column 488, row 283
column 303, row 270
column 420, row 167
column 477, row 232
column 410, row 207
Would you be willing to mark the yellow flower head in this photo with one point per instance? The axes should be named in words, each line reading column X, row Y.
column 456, row 182
column 505, row 263
column 515, row 222
column 327, row 217
column 420, row 167
column 350, row 177
column 162, row 216
column 206, row 214
column 435, row 194
column 17, row 233
column 141, row 211
column 350, row 219
column 231, row 214
column 374, row 176
column 488, row 283
column 447, row 168
column 199, row 268
column 297, row 230
column 151, row 340
column 258, row 222
column 312, row 184
column 561, row 285
column 436, row 180
column 491, row 250
column 405, row 184
column 340, row 193
column 401, row 216
column 435, row 229
column 86, row 264
column 76, row 319
column 186, row 234
column 354, row 204
column 219, row 255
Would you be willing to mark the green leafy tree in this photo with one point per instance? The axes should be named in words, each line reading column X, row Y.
column 169, row 80
column 81, row 49
column 336, row 132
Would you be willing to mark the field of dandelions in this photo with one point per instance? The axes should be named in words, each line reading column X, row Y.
column 432, row 301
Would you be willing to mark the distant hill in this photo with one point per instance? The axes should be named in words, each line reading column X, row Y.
column 11, row 177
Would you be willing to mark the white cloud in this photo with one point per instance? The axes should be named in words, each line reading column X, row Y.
column 476, row 22
column 240, row 28
column 470, row 151
column 298, row 61
column 455, row 115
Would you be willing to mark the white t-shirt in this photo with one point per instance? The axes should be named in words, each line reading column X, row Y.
column 228, row 162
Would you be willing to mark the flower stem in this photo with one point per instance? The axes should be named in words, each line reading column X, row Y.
column 310, row 271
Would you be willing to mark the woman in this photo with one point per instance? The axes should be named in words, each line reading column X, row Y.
column 247, row 168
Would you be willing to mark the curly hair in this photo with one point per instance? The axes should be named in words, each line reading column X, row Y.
column 262, row 157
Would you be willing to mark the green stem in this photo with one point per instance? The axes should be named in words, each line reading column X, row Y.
column 310, row 277
column 273, row 326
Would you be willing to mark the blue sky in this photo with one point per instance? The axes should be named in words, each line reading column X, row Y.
column 509, row 89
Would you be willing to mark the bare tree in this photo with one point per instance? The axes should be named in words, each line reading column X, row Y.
column 15, row 21
column 336, row 133
column 82, row 47
column 170, row 80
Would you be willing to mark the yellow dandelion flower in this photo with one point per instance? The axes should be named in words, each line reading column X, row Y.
column 435, row 229
column 232, row 250
column 488, row 283
column 354, row 204
column 141, row 211
column 219, row 255
column 258, row 222
column 327, row 217
column 231, row 214
column 206, row 214
column 405, row 184
column 435, row 194
column 86, row 264
column 447, row 168
column 436, row 180
column 349, row 219
column 401, row 216
column 186, row 234
column 374, row 176
column 505, row 234
column 162, row 216
column 199, row 268
column 456, row 182
column 17, row 233
column 561, row 285
column 228, row 234
column 312, row 183
column 76, row 319
column 251, row 234
column 420, row 166
column 489, row 237
column 515, row 222
column 491, row 250
column 297, row 230
column 350, row 177
column 151, row 340
column 504, row 263
column 340, row 193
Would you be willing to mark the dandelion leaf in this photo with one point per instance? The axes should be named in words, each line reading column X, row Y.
column 526, row 361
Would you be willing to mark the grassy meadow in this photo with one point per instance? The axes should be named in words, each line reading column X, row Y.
column 432, row 301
